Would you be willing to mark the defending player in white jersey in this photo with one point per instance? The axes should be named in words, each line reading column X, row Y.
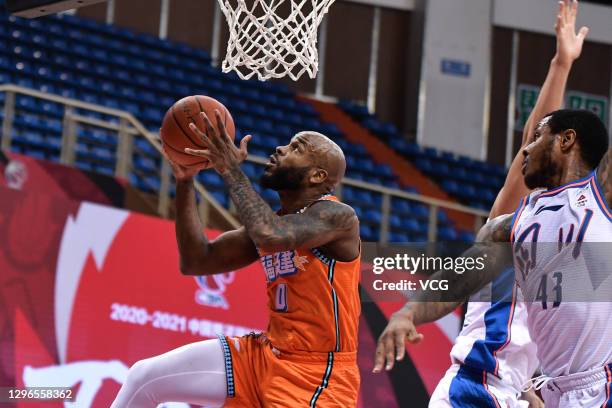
column 561, row 238
column 493, row 355
column 557, row 235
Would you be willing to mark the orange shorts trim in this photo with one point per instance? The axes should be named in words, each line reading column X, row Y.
column 264, row 377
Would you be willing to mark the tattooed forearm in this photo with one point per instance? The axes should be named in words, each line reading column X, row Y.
column 192, row 244
column 271, row 232
column 253, row 211
column 603, row 176
column 495, row 252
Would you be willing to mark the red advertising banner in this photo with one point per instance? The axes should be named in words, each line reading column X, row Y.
column 88, row 298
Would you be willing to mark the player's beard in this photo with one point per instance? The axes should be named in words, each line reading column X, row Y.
column 284, row 178
column 544, row 175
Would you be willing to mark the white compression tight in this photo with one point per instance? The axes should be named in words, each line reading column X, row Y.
column 194, row 374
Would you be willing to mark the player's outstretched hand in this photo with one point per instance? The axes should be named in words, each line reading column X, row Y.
column 569, row 44
column 182, row 173
column 220, row 148
column 391, row 345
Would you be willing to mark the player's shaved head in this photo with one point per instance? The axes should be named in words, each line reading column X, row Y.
column 309, row 160
column 326, row 154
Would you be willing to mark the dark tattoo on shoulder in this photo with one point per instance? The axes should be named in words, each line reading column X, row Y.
column 323, row 219
column 603, row 176
column 496, row 230
column 334, row 214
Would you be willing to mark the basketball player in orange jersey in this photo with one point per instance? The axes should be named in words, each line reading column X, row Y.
column 310, row 252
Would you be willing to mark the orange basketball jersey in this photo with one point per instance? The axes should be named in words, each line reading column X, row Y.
column 313, row 300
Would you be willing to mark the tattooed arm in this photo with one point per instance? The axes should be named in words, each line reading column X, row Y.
column 320, row 224
column 428, row 306
column 199, row 256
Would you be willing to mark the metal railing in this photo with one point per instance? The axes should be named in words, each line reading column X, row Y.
column 77, row 113
column 127, row 128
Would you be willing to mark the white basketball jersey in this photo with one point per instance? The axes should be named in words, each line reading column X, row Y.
column 494, row 337
column 560, row 277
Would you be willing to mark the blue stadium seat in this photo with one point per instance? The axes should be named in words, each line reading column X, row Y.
column 395, row 221
column 250, row 169
column 83, row 165
column 37, row 154
column 364, row 197
column 443, row 217
column 447, row 234
column 384, row 170
column 51, row 108
column 365, row 232
column 400, row 206
column 109, row 171
column 375, row 235
column 420, row 210
column 372, row 216
column 410, row 224
column 358, row 210
column 451, row 187
column 466, row 236
column 366, row 165
column 145, row 164
column 395, row 237
column 424, row 165
column 211, row 180
column 221, row 197
column 460, row 173
column 359, row 150
column 486, row 195
column 467, row 191
column 270, row 195
column 440, row 169
column 53, row 142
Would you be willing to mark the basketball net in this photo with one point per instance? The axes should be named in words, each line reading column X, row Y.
column 266, row 44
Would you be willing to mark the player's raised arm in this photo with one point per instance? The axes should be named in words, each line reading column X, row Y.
column 319, row 224
column 428, row 306
column 569, row 48
column 199, row 256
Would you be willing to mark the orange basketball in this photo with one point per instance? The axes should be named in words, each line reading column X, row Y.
column 176, row 135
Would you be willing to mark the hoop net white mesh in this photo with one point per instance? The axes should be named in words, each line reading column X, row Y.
column 273, row 38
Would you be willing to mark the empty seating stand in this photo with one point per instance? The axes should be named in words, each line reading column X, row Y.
column 473, row 182
column 118, row 68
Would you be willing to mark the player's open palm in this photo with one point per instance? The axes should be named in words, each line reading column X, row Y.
column 569, row 43
column 391, row 345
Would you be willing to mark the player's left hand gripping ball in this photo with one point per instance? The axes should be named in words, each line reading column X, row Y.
column 220, row 148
